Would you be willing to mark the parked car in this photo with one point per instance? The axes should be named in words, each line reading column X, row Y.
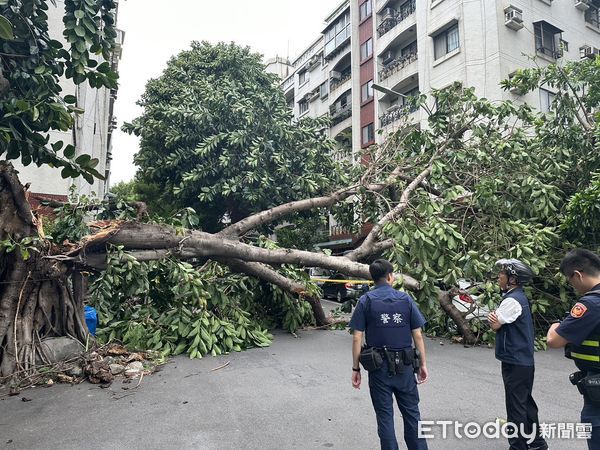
column 342, row 290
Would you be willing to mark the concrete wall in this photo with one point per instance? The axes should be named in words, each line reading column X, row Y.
column 90, row 135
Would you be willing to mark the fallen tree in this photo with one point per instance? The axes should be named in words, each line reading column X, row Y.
column 482, row 180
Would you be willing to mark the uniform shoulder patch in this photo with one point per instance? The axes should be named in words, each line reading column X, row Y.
column 578, row 310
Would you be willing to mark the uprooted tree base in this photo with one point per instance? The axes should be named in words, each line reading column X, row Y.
column 39, row 298
column 42, row 294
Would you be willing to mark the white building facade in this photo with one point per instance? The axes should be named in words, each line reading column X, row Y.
column 414, row 46
column 91, row 133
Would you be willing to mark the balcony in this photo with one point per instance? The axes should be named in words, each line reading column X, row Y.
column 340, row 114
column 391, row 18
column 395, row 113
column 549, row 52
column 288, row 83
column 592, row 16
column 396, row 65
column 339, row 80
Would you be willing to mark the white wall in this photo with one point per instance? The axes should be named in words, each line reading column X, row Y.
column 91, row 131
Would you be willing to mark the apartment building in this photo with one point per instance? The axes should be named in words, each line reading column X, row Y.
column 411, row 46
column 91, row 133
column 405, row 47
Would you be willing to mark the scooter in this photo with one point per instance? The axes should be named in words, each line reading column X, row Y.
column 466, row 302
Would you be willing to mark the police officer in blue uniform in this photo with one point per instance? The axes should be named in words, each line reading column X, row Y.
column 513, row 324
column 579, row 333
column 391, row 321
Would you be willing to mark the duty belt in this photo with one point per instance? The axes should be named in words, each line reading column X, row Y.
column 397, row 360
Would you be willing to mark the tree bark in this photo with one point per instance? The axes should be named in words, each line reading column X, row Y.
column 35, row 298
column 445, row 301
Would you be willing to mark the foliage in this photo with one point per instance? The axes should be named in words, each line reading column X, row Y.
column 175, row 308
column 217, row 135
column 303, row 231
column 31, row 66
column 583, row 214
column 125, row 190
column 510, row 185
column 70, row 223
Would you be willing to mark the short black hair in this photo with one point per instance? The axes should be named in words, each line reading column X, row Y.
column 581, row 260
column 380, row 269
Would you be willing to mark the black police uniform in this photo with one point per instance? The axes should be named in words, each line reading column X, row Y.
column 581, row 328
column 388, row 317
column 514, row 348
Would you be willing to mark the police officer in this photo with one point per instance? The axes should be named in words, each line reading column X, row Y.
column 391, row 321
column 513, row 324
column 580, row 333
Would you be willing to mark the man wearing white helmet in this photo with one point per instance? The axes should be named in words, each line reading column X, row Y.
column 513, row 324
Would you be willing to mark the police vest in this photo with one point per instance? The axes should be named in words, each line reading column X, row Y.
column 587, row 354
column 388, row 321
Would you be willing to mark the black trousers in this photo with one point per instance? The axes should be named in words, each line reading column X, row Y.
column 521, row 409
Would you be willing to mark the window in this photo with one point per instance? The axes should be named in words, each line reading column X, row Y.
column 592, row 15
column 366, row 49
column 546, row 99
column 324, row 90
column 366, row 91
column 545, row 39
column 446, row 42
column 366, row 9
column 368, row 134
column 337, row 34
column 303, row 105
column 303, row 77
column 410, row 49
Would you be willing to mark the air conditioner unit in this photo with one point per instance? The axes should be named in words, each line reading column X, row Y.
column 312, row 62
column 387, row 57
column 515, row 90
column 388, row 13
column 513, row 18
column 334, row 75
column 582, row 5
column 588, row 52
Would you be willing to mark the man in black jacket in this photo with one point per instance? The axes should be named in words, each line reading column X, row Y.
column 513, row 324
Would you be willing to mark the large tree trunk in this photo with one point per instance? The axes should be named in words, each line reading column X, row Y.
column 36, row 300
column 42, row 295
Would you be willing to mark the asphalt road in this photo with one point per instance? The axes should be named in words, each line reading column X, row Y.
column 294, row 395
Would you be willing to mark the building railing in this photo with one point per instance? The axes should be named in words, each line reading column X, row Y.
column 397, row 64
column 592, row 16
column 392, row 20
column 335, row 83
column 341, row 114
column 396, row 114
column 336, row 230
column 550, row 52
column 288, row 83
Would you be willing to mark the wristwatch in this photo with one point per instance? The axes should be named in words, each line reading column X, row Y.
column 357, row 369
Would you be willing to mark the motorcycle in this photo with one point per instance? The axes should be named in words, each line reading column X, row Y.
column 465, row 301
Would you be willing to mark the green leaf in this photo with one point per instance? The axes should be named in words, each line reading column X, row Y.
column 79, row 14
column 69, row 152
column 6, row 31
column 103, row 68
column 80, row 31
column 71, row 99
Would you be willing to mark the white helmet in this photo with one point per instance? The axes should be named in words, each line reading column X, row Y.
column 515, row 268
